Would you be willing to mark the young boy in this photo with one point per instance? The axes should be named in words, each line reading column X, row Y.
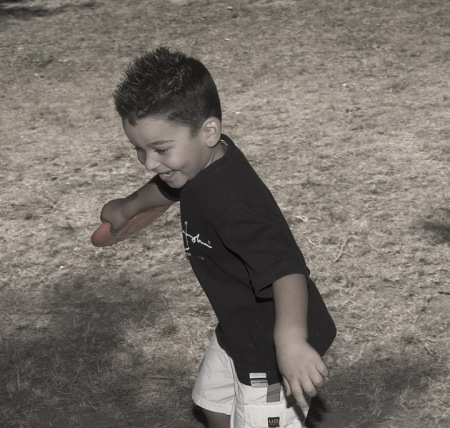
column 273, row 325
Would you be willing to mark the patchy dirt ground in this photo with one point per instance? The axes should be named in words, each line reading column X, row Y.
column 343, row 109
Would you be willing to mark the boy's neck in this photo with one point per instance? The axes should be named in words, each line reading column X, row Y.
column 218, row 151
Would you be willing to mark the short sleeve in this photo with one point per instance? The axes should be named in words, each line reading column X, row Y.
column 260, row 236
column 169, row 192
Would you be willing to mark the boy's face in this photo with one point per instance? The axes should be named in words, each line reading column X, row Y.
column 169, row 150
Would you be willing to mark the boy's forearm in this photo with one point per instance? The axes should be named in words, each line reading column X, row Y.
column 300, row 365
column 119, row 211
column 148, row 196
column 291, row 308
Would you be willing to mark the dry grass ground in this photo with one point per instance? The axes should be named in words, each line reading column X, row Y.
column 342, row 107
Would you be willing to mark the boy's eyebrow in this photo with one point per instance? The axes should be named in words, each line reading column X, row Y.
column 154, row 143
column 158, row 143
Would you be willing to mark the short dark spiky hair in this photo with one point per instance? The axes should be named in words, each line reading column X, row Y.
column 169, row 85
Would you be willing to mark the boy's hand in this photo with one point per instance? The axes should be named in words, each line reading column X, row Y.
column 112, row 212
column 119, row 211
column 302, row 369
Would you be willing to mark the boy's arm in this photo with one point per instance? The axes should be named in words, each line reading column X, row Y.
column 301, row 366
column 119, row 211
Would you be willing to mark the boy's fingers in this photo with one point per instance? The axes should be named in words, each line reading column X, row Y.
column 302, row 402
column 318, row 379
column 302, row 392
column 287, row 387
column 323, row 369
column 309, row 389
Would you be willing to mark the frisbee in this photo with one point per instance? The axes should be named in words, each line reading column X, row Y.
column 104, row 237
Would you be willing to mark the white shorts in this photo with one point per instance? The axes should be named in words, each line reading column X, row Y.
column 218, row 389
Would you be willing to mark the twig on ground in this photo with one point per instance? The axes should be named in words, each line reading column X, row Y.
column 427, row 348
column 341, row 252
column 312, row 243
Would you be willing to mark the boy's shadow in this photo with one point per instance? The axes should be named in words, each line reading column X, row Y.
column 316, row 413
column 199, row 415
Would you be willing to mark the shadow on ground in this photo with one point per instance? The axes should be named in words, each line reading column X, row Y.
column 10, row 9
column 370, row 395
column 437, row 224
column 441, row 231
column 81, row 364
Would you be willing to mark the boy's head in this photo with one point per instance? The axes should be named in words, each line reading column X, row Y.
column 170, row 86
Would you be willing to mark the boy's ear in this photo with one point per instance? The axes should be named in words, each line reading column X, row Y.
column 212, row 129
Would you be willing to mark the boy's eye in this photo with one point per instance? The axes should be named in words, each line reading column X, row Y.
column 160, row 151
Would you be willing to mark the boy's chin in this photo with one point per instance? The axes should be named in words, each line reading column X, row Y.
column 176, row 184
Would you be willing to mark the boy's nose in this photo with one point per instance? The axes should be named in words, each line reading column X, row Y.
column 151, row 164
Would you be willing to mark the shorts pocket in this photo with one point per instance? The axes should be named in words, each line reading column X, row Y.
column 272, row 415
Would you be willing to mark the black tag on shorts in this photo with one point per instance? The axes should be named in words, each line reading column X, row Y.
column 273, row 422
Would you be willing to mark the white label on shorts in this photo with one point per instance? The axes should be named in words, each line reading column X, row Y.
column 258, row 380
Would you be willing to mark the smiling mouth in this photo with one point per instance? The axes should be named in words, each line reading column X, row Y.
column 167, row 174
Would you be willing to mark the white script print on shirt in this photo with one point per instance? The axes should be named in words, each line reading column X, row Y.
column 192, row 239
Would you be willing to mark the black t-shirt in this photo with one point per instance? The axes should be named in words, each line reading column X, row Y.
column 238, row 244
